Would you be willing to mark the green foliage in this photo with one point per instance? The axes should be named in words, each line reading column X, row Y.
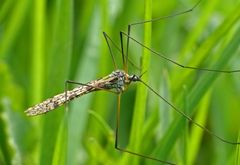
column 43, row 43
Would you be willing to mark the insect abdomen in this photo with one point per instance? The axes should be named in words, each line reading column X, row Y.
column 58, row 100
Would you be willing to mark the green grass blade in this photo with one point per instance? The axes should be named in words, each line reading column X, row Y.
column 201, row 87
column 38, row 51
column 86, row 71
column 238, row 152
column 12, row 26
column 44, row 43
column 203, row 50
column 196, row 133
column 141, row 95
column 57, row 54
column 202, row 22
column 59, row 154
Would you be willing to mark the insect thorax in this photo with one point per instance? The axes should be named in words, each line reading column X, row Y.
column 118, row 80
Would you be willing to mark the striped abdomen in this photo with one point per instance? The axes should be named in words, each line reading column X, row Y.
column 59, row 100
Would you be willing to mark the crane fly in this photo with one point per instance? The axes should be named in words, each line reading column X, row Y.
column 115, row 82
column 118, row 81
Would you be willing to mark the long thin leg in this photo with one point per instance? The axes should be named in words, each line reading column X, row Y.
column 176, row 63
column 125, row 150
column 155, row 20
column 189, row 118
column 108, row 38
column 96, row 87
column 110, row 50
column 168, row 16
column 78, row 83
column 122, row 50
column 66, row 90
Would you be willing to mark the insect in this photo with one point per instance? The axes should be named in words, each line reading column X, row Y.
column 117, row 82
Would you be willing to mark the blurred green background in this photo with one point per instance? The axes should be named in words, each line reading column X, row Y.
column 43, row 43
